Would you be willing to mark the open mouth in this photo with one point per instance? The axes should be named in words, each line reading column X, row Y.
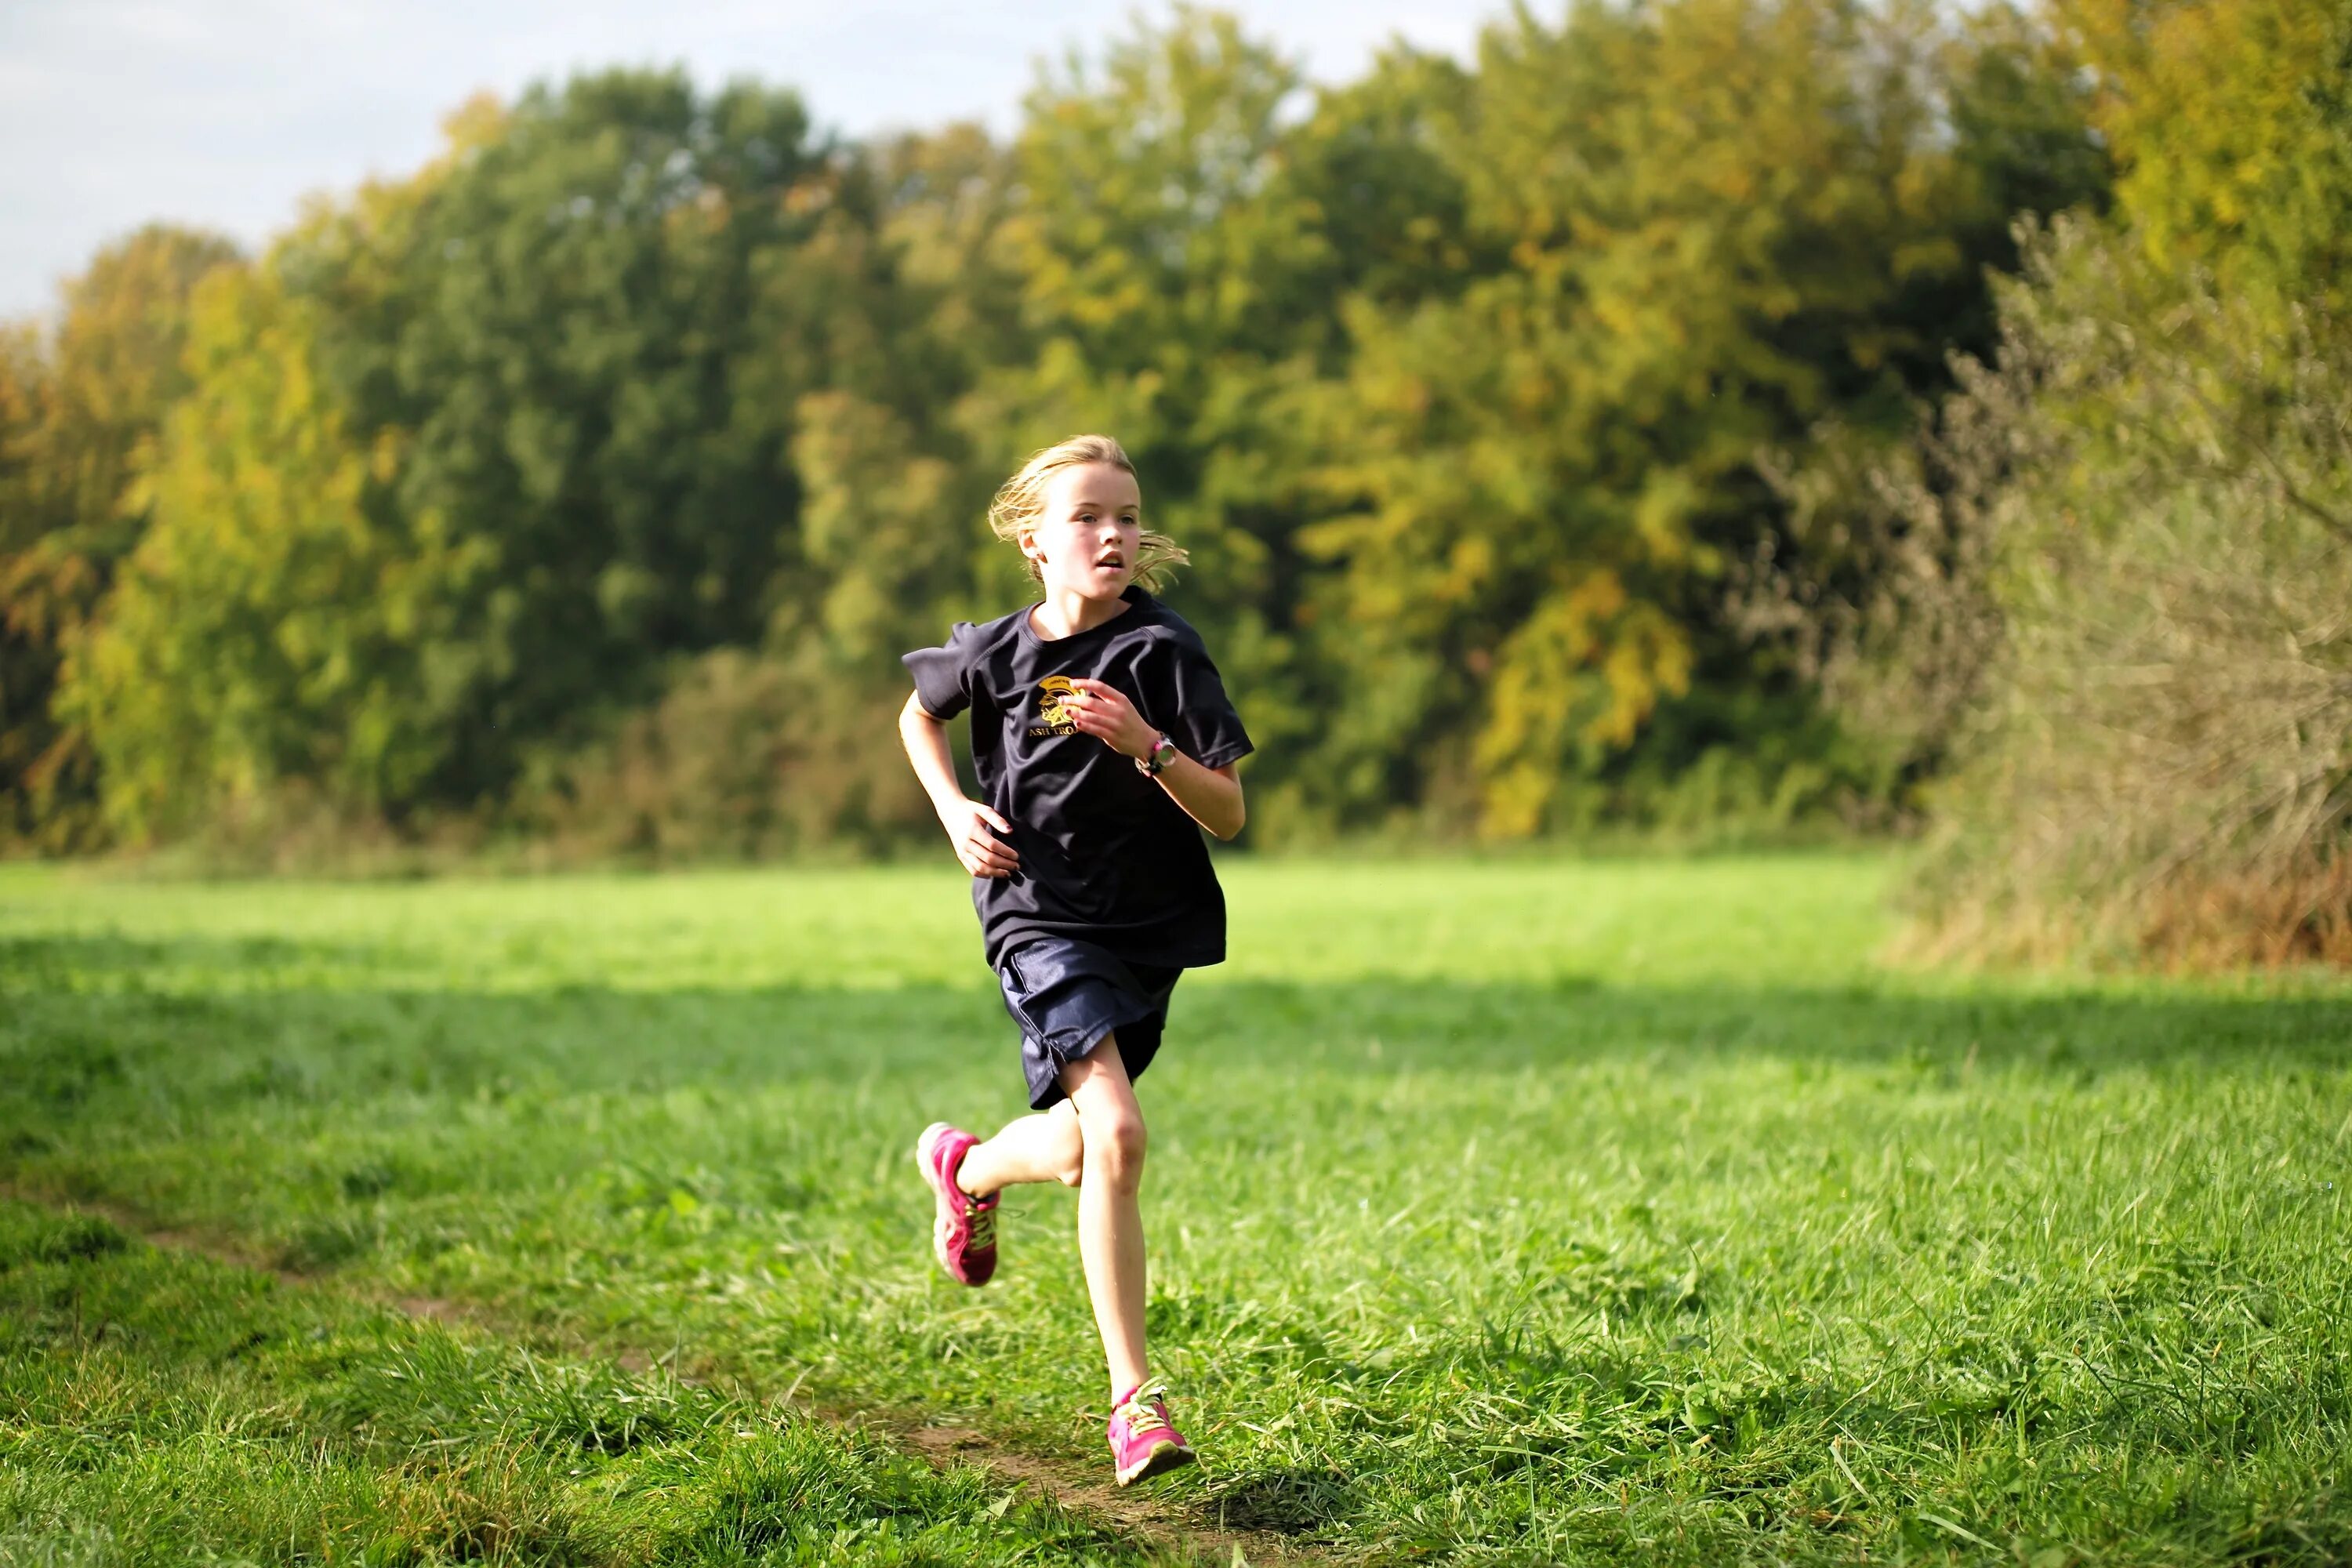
column 1110, row 563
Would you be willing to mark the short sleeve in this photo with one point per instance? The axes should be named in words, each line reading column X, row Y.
column 1203, row 724
column 944, row 675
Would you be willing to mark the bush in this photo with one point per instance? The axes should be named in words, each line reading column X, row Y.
column 745, row 755
column 2108, row 597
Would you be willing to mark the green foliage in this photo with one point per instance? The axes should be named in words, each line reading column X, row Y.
column 598, row 323
column 2161, row 758
column 2229, row 119
column 274, row 626
column 2103, row 595
column 1724, row 221
column 484, row 456
column 80, row 410
column 626, row 443
column 1177, row 280
column 1522, row 1210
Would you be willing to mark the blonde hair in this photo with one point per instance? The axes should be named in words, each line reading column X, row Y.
column 1021, row 501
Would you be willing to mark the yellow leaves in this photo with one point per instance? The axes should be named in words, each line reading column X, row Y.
column 1583, row 670
column 266, row 598
column 1734, row 184
column 2225, row 117
column 385, row 454
column 1661, row 514
column 1932, row 257
column 1469, row 568
column 80, row 405
column 475, row 124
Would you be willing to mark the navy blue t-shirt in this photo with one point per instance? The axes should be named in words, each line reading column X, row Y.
column 1107, row 856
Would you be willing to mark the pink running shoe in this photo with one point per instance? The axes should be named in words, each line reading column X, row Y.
column 964, row 1235
column 1142, row 1441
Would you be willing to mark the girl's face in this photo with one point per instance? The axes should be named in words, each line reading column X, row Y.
column 1084, row 542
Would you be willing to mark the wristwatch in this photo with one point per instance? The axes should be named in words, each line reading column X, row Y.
column 1162, row 753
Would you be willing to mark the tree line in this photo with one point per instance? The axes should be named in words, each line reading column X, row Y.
column 1529, row 422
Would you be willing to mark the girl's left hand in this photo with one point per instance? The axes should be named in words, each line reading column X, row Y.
column 1103, row 711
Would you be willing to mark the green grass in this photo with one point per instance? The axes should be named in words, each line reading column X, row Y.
column 1557, row 1211
column 162, row 1408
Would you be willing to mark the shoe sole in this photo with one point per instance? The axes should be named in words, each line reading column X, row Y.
column 942, row 1222
column 924, row 1147
column 1163, row 1458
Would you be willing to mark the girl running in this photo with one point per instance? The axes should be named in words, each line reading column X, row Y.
column 1101, row 736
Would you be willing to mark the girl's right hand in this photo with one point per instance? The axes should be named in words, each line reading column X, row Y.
column 982, row 853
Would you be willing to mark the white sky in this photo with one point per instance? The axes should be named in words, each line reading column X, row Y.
column 225, row 113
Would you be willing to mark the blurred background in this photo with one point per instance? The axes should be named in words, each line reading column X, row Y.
column 1684, row 424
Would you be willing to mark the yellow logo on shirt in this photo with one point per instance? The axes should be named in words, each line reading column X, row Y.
column 1051, row 720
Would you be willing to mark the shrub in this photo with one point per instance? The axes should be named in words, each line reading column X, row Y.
column 2108, row 597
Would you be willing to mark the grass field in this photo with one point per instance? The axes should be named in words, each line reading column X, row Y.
column 1608, row 1212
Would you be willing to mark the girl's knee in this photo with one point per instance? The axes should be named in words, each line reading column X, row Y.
column 1117, row 1142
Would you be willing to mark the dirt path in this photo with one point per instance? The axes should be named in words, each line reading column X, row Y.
column 1139, row 1514
column 1145, row 1518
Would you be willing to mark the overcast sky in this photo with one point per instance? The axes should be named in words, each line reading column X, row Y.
column 226, row 112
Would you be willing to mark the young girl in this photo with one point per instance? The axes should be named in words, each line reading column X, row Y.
column 1102, row 737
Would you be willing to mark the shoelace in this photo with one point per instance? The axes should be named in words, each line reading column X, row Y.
column 983, row 1224
column 1143, row 1410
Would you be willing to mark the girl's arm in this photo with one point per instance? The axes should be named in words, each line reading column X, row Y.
column 967, row 821
column 1210, row 796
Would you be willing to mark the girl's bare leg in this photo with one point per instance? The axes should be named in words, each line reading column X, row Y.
column 1045, row 1147
column 1110, row 1219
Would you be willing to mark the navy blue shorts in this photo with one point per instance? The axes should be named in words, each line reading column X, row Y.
column 1067, row 995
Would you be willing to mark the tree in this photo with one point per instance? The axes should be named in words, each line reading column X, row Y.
column 593, row 339
column 1725, row 219
column 80, row 410
column 643, row 420
column 273, row 629
column 2104, row 591
column 1177, row 283
column 2228, row 120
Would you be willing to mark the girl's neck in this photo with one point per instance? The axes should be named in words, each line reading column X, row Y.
column 1066, row 613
